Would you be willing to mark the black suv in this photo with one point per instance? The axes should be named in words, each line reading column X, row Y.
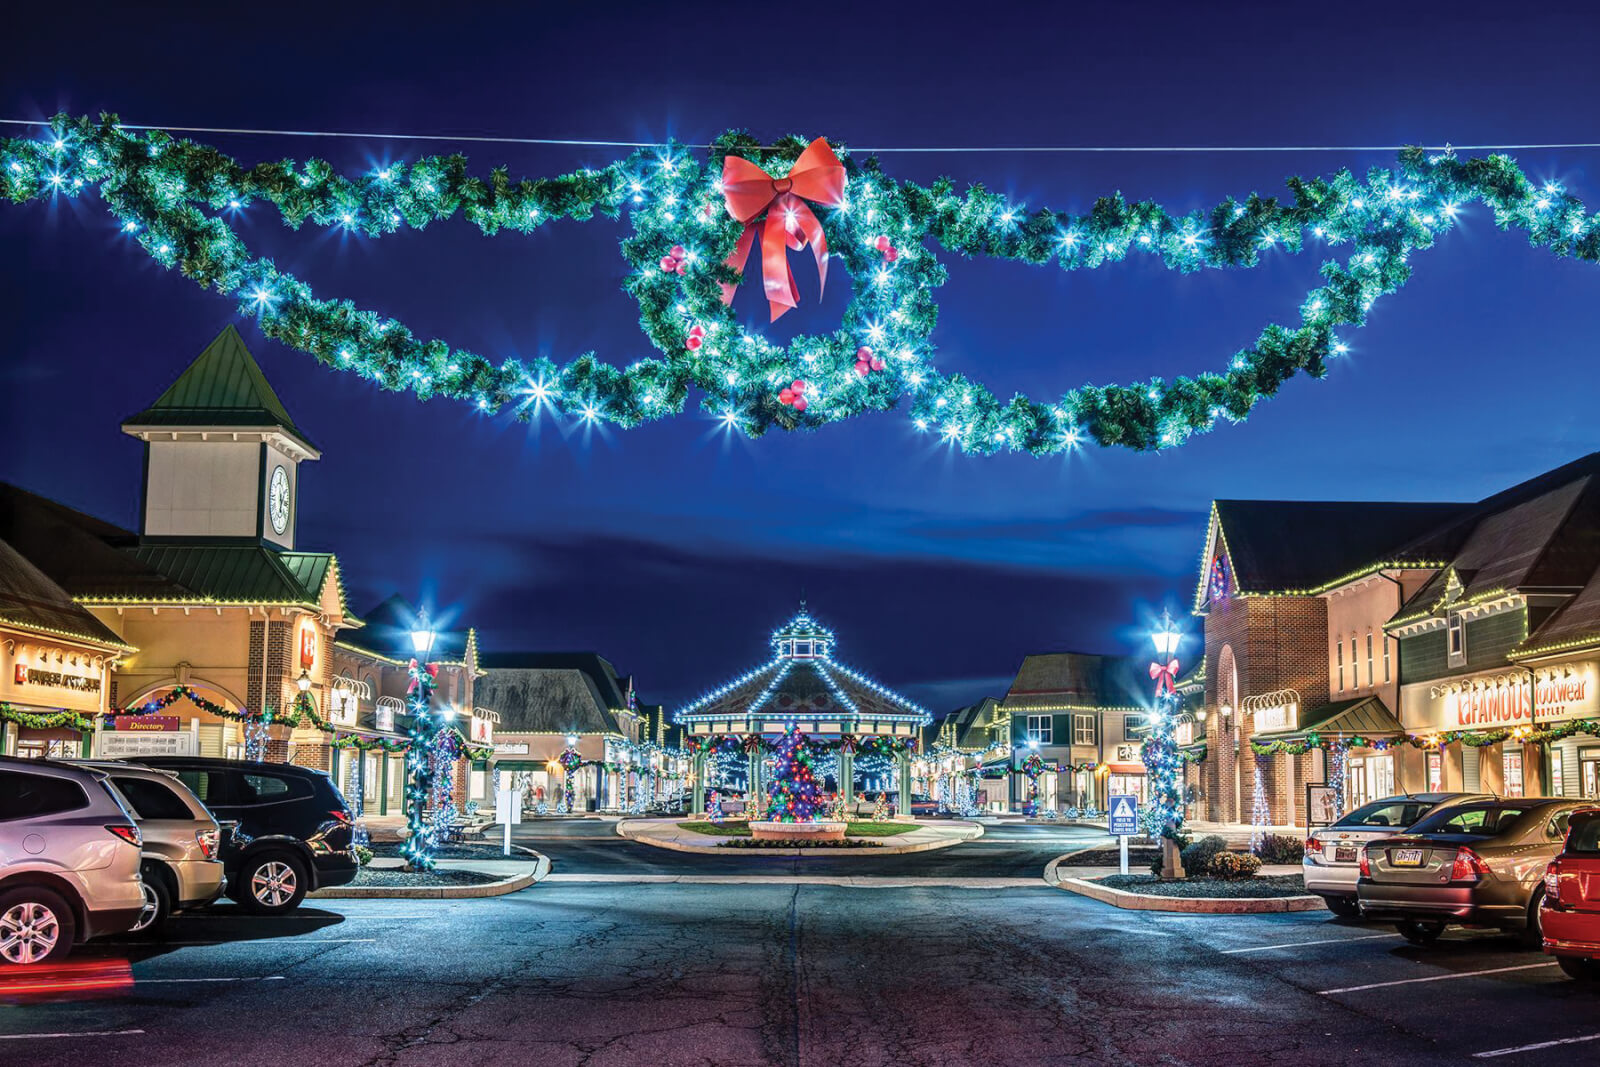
column 290, row 828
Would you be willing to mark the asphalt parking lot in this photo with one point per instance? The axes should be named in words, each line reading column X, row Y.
column 771, row 972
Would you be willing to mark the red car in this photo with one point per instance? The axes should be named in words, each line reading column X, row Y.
column 1570, row 915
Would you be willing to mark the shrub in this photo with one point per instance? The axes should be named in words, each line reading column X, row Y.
column 363, row 855
column 1230, row 866
column 1280, row 848
column 1197, row 857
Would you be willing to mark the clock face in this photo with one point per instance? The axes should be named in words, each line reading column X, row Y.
column 278, row 500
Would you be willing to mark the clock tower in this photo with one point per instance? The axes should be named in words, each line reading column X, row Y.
column 222, row 455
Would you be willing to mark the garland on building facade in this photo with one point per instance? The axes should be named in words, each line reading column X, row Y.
column 695, row 222
column 870, row 745
column 46, row 720
column 1538, row 735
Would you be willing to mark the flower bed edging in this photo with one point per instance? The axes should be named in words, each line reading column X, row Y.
column 1119, row 898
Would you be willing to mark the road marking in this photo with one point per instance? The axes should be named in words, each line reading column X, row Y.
column 1298, row 944
column 1437, row 978
column 173, row 981
column 846, row 881
column 86, row 1033
column 1539, row 1045
column 289, row 940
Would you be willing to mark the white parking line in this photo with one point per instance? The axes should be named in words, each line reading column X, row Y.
column 1299, row 944
column 173, row 981
column 1539, row 1045
column 287, row 940
column 1437, row 978
column 85, row 1033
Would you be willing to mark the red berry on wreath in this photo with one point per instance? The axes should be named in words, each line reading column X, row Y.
column 799, row 403
column 693, row 343
column 798, row 385
column 882, row 244
column 786, row 395
column 876, row 362
column 697, row 330
column 677, row 252
column 862, row 368
column 668, row 264
column 891, row 254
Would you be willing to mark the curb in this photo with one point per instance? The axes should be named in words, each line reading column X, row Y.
column 624, row 828
column 1118, row 898
column 515, row 883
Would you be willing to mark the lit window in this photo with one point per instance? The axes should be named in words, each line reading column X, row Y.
column 1338, row 655
column 1372, row 678
column 1355, row 667
column 1039, row 729
column 1083, row 729
column 1386, row 657
column 1457, row 639
column 1132, row 725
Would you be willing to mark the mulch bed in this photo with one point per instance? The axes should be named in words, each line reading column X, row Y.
column 393, row 878
column 1110, row 857
column 391, row 849
column 1277, row 885
column 750, row 842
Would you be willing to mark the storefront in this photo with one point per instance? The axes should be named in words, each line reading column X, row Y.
column 52, row 692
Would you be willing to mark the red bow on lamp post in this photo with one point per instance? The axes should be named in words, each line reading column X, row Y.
column 817, row 176
column 1164, row 674
column 431, row 668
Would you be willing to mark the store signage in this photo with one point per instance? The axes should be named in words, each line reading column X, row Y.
column 1277, row 717
column 1502, row 702
column 384, row 716
column 1128, row 754
column 308, row 643
column 79, row 683
column 117, row 744
column 145, row 723
column 511, row 748
column 482, row 730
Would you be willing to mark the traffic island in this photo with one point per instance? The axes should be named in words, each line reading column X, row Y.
column 1267, row 893
column 889, row 838
column 455, row 879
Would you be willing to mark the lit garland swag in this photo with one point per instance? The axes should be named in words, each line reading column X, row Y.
column 871, row 745
column 1472, row 738
column 178, row 200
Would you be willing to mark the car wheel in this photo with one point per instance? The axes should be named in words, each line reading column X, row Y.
column 271, row 883
column 157, row 905
column 36, row 926
column 1583, row 970
column 1420, row 931
column 1532, row 935
column 1343, row 907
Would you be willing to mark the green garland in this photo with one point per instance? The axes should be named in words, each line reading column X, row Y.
column 302, row 711
column 1472, row 738
column 176, row 198
column 46, row 720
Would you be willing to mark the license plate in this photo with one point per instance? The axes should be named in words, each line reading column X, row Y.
column 1344, row 855
column 1407, row 857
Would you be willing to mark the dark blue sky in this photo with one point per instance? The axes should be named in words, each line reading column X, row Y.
column 672, row 549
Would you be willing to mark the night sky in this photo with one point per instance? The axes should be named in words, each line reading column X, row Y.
column 673, row 549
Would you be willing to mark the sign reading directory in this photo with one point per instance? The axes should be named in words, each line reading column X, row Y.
column 1124, row 811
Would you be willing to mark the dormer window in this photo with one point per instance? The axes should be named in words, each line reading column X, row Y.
column 1457, row 637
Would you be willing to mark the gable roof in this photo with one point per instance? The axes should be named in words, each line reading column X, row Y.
column 31, row 601
column 1064, row 681
column 608, row 686
column 1298, row 546
column 224, row 386
column 545, row 700
column 1542, row 534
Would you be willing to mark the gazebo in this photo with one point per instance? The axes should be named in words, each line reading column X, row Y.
column 803, row 689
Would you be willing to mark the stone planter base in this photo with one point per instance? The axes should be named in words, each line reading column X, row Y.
column 762, row 830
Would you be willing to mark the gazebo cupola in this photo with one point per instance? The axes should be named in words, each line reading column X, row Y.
column 802, row 637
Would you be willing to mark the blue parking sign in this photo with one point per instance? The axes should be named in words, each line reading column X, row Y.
column 1124, row 815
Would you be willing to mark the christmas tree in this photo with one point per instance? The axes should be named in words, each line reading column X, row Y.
column 796, row 795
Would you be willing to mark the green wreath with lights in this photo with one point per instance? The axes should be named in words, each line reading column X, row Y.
column 177, row 199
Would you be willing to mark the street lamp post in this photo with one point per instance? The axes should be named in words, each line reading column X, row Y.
column 418, row 850
column 1163, row 768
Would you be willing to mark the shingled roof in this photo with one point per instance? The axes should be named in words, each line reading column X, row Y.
column 31, row 601
column 224, row 386
column 1280, row 546
column 1059, row 681
column 561, row 700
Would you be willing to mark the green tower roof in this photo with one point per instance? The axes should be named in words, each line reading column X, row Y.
column 224, row 386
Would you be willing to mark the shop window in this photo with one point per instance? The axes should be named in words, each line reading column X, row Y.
column 1039, row 729
column 1457, row 639
column 1558, row 780
column 1083, row 729
column 1511, row 766
column 1134, row 725
column 1338, row 655
column 1436, row 772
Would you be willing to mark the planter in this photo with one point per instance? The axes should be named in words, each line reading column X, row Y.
column 763, row 830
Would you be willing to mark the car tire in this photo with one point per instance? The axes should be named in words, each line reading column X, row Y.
column 1532, row 935
column 270, row 883
column 1343, row 907
column 36, row 926
column 1579, row 968
column 1420, row 931
column 157, row 904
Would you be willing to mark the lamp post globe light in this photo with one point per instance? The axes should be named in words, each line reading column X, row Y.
column 1163, row 814
column 420, row 770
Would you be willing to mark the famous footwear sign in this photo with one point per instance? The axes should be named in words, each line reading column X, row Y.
column 1501, row 700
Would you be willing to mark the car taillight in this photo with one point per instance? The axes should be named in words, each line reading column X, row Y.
column 1552, row 883
column 1366, row 868
column 1468, row 867
column 130, row 834
column 340, row 814
column 207, row 840
column 1313, row 846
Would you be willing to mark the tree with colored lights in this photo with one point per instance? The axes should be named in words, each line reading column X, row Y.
column 796, row 794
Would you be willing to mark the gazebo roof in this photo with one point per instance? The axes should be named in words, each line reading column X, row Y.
column 803, row 679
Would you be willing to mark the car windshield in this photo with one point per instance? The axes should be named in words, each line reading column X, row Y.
column 1380, row 813
column 1484, row 820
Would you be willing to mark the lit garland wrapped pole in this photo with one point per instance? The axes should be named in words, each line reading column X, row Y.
column 691, row 219
column 420, row 766
column 1163, row 763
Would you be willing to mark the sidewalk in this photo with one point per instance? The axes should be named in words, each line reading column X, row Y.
column 666, row 833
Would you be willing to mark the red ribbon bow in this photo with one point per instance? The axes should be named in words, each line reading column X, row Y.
column 1164, row 674
column 431, row 668
column 817, row 176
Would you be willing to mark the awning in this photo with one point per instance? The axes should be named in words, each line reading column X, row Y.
column 1125, row 768
column 1358, row 717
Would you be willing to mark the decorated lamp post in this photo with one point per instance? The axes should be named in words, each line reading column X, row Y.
column 1163, row 813
column 420, row 765
column 570, row 762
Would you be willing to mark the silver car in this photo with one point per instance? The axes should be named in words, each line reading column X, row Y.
column 69, row 860
column 180, row 866
column 1332, row 863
